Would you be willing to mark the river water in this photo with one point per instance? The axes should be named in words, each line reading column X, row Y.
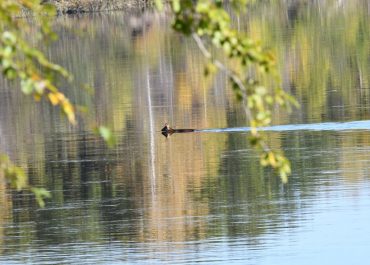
column 196, row 197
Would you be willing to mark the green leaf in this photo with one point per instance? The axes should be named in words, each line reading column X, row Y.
column 49, row 9
column 6, row 63
column 16, row 176
column 9, row 38
column 158, row 4
column 27, row 86
column 209, row 68
column 202, row 7
column 107, row 135
column 13, row 8
column 176, row 6
column 8, row 51
column 261, row 90
column 227, row 47
column 10, row 73
column 40, row 195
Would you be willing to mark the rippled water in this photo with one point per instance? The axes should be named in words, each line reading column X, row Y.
column 322, row 126
column 195, row 197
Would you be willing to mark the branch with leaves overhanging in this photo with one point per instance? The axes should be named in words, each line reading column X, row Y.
column 21, row 61
column 209, row 24
column 18, row 180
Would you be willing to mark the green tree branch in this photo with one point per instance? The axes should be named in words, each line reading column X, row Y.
column 209, row 24
column 21, row 61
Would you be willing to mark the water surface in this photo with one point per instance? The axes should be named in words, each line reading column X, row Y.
column 196, row 197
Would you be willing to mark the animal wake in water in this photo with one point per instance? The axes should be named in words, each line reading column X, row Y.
column 167, row 130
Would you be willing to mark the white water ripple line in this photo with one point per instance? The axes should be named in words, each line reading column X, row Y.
column 151, row 135
column 325, row 126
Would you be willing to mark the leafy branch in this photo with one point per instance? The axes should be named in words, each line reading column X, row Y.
column 18, row 180
column 35, row 73
column 209, row 24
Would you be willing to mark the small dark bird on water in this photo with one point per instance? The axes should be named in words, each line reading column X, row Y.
column 167, row 130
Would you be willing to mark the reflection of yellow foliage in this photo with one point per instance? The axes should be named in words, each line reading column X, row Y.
column 191, row 85
column 180, row 168
column 180, row 162
column 355, row 170
column 255, row 29
column 183, row 88
column 5, row 206
column 149, row 45
column 319, row 50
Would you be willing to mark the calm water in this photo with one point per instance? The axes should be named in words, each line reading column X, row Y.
column 197, row 197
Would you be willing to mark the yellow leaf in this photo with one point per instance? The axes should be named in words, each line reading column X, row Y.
column 60, row 96
column 71, row 118
column 35, row 77
column 284, row 177
column 53, row 99
column 69, row 111
column 271, row 158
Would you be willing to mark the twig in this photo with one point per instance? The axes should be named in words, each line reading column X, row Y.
column 227, row 71
column 231, row 75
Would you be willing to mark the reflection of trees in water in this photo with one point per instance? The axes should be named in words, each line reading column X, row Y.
column 91, row 186
column 322, row 49
column 240, row 198
column 105, row 192
column 5, row 209
column 247, row 200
